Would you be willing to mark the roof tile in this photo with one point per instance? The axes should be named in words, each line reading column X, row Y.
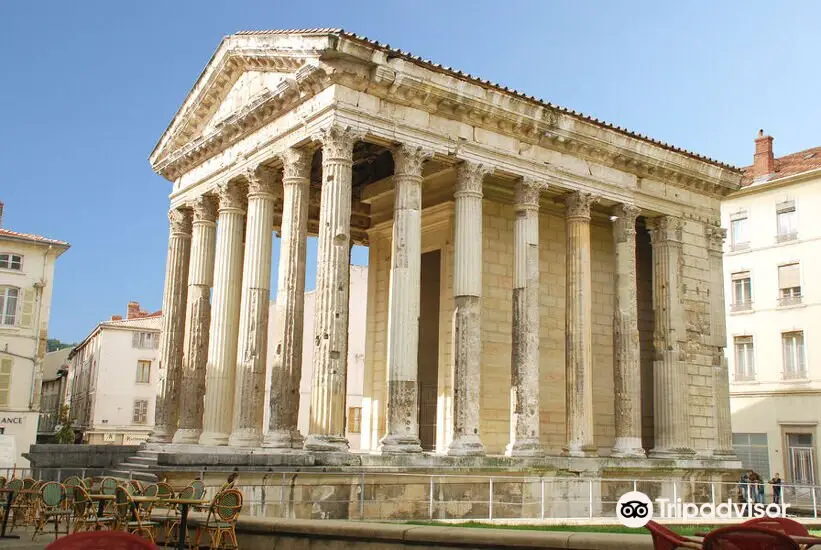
column 30, row 237
column 789, row 165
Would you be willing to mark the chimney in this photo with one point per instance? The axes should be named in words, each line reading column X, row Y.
column 133, row 310
column 116, row 317
column 763, row 160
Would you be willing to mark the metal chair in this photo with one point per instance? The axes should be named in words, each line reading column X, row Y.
column 665, row 539
column 51, row 507
column 101, row 540
column 222, row 520
column 748, row 537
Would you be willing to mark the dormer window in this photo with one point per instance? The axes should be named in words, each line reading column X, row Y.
column 11, row 261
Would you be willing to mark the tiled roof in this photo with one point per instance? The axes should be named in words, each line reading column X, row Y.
column 467, row 76
column 789, row 165
column 28, row 237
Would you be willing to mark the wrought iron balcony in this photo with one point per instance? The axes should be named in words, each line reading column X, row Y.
column 786, row 237
column 784, row 301
column 741, row 306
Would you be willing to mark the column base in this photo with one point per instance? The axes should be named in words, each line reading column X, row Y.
column 628, row 447
column 159, row 435
column 213, row 438
column 724, row 454
column 187, row 436
column 525, row 447
column 326, row 443
column 580, row 451
column 283, row 439
column 675, row 452
column 398, row 444
column 245, row 438
column 466, row 445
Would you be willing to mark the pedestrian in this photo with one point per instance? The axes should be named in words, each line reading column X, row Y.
column 776, row 483
column 744, row 487
column 757, row 487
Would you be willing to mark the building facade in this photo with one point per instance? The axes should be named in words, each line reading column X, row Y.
column 356, row 355
column 772, row 266
column 114, row 379
column 26, row 285
column 53, row 394
column 540, row 283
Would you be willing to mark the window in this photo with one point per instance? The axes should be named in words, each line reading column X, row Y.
column 744, row 358
column 5, row 380
column 738, row 230
column 354, row 420
column 786, row 222
column 145, row 340
column 140, row 412
column 753, row 451
column 742, row 291
column 11, row 261
column 802, row 461
column 9, row 296
column 789, row 285
column 143, row 372
column 793, row 348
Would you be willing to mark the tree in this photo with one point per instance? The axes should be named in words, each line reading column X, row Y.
column 53, row 344
column 65, row 432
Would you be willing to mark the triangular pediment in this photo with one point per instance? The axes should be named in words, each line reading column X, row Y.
column 244, row 70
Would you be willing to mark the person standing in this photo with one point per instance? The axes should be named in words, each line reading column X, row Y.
column 744, row 487
column 776, row 483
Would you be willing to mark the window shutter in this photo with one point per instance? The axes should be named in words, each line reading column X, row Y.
column 135, row 340
column 788, row 276
column 786, row 206
column 741, row 275
column 5, row 381
column 27, row 309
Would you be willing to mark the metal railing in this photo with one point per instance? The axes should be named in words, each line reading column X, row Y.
column 784, row 301
column 741, row 306
column 426, row 497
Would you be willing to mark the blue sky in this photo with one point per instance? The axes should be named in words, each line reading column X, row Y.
column 87, row 88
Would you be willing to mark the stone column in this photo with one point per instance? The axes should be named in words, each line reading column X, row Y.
column 467, row 292
column 579, row 326
column 249, row 389
column 723, row 444
column 197, row 319
column 330, row 364
column 403, row 303
column 626, row 348
column 225, row 304
column 669, row 371
column 173, row 325
column 286, row 370
column 524, row 384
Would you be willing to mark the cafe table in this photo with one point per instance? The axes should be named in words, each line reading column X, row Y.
column 184, row 504
column 139, row 500
column 101, row 499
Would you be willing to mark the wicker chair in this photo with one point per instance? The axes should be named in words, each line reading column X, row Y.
column 129, row 518
column 108, row 486
column 24, row 505
column 51, row 508
column 222, row 520
column 85, row 512
column 2, row 482
column 172, row 518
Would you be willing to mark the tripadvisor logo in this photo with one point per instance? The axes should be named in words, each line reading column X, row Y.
column 635, row 509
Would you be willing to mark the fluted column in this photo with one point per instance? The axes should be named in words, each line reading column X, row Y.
column 723, row 441
column 173, row 325
column 197, row 319
column 524, row 383
column 626, row 350
column 579, row 326
column 669, row 371
column 330, row 364
column 403, row 303
column 286, row 370
column 225, row 304
column 249, row 388
column 467, row 292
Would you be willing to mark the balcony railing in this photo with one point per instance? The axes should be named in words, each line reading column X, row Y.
column 795, row 374
column 741, row 306
column 786, row 237
column 735, row 247
column 784, row 301
column 744, row 376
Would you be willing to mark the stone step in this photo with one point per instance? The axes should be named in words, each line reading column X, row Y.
column 118, row 472
column 149, row 460
column 133, row 466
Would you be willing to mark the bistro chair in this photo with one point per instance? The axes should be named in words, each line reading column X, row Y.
column 222, row 520
column 665, row 539
column 85, row 512
column 173, row 517
column 101, row 540
column 2, row 482
column 748, row 537
column 108, row 486
column 24, row 505
column 134, row 487
column 51, row 508
column 130, row 518
column 785, row 525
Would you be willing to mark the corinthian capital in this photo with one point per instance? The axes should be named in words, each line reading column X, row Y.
column 578, row 204
column 205, row 209
column 408, row 159
column 338, row 141
column 624, row 226
column 262, row 180
column 527, row 191
column 296, row 163
column 231, row 196
column 180, row 220
column 665, row 229
column 469, row 178
column 715, row 237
